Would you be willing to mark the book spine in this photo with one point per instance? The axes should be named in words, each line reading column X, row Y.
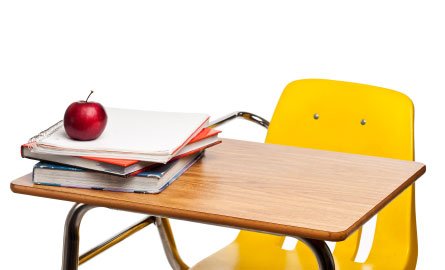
column 32, row 142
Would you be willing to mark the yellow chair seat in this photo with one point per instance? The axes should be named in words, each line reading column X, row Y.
column 256, row 251
column 258, row 255
column 231, row 258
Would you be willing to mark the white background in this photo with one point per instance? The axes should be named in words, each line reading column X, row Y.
column 202, row 56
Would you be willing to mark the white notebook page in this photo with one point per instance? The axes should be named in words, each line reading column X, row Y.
column 136, row 131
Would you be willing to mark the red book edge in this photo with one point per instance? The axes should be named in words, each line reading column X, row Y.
column 194, row 134
column 23, row 147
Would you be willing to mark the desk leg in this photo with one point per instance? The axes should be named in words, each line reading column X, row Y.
column 168, row 242
column 70, row 259
column 322, row 253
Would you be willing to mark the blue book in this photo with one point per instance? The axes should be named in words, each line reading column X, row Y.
column 150, row 181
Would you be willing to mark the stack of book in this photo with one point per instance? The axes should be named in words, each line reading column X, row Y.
column 139, row 151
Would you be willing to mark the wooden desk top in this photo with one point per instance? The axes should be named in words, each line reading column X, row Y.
column 278, row 189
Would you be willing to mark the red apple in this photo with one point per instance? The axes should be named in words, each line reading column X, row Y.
column 84, row 120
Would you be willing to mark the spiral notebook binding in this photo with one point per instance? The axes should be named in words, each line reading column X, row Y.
column 32, row 142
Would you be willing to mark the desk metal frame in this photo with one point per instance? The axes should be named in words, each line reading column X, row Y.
column 71, row 259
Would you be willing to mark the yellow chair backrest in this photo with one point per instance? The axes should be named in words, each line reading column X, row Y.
column 353, row 118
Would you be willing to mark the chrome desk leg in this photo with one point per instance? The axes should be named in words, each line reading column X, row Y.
column 70, row 259
column 322, row 253
column 169, row 244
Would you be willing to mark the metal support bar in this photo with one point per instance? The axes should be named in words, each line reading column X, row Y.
column 115, row 240
column 246, row 115
column 168, row 242
column 322, row 253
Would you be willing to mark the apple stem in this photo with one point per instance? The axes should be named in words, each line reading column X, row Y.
column 89, row 95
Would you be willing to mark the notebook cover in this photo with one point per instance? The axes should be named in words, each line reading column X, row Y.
column 157, row 137
column 204, row 134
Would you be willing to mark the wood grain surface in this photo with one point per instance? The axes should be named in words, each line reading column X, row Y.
column 271, row 188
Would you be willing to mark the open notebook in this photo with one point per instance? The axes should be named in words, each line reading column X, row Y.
column 130, row 134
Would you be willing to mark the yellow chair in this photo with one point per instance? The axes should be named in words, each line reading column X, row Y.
column 346, row 117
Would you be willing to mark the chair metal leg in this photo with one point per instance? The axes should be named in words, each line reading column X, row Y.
column 169, row 244
column 70, row 257
column 322, row 253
